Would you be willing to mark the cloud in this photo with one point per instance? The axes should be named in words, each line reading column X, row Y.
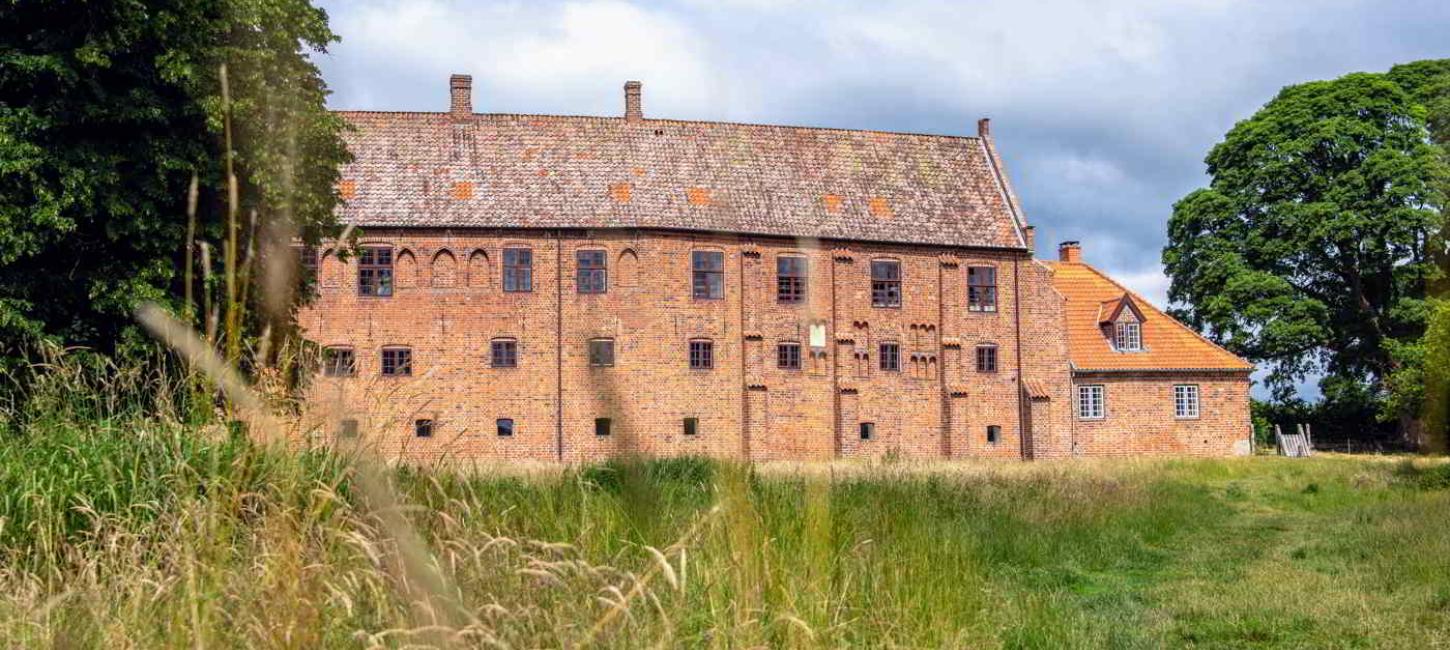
column 1103, row 110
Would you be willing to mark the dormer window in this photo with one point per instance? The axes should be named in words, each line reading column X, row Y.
column 1128, row 336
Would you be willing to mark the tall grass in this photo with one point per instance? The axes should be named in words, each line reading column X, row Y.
column 122, row 525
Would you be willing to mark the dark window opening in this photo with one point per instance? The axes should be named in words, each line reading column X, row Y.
column 504, row 353
column 375, row 272
column 601, row 353
column 692, row 426
column 708, row 274
column 986, row 358
column 518, row 269
column 347, row 429
column 994, row 434
column 423, row 428
column 702, row 355
column 982, row 288
column 790, row 279
column 339, row 362
column 593, row 276
column 505, row 427
column 885, row 283
column 397, row 362
column 891, row 357
column 788, row 356
column 307, row 265
column 601, row 426
column 868, row 430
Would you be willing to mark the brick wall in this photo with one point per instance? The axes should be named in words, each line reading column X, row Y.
column 1139, row 416
column 448, row 305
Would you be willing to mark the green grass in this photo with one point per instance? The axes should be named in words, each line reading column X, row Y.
column 145, row 533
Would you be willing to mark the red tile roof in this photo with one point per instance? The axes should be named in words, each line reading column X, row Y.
column 566, row 172
column 1168, row 344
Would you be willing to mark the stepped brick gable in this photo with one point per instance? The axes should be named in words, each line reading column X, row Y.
column 572, row 288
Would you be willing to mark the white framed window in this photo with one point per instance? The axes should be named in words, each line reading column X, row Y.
column 1091, row 402
column 1185, row 401
column 1128, row 337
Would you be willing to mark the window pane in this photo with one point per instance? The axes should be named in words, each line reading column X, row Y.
column 397, row 362
column 982, row 288
column 592, row 274
column 505, row 427
column 708, row 268
column 788, row 356
column 790, row 282
column 890, row 356
column 339, row 362
column 375, row 272
column 601, row 352
column 986, row 358
column 505, row 353
column 885, row 283
column 702, row 355
column 518, row 269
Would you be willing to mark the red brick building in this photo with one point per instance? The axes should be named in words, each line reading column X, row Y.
column 570, row 288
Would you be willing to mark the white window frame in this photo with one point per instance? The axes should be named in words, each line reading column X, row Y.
column 1125, row 341
column 1187, row 401
column 1085, row 402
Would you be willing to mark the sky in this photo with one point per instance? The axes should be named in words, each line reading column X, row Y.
column 1103, row 110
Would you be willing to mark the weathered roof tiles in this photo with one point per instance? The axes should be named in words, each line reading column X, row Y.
column 567, row 172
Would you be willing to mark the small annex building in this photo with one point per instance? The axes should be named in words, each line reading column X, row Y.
column 569, row 288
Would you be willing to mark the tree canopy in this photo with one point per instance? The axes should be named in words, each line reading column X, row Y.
column 1310, row 251
column 108, row 109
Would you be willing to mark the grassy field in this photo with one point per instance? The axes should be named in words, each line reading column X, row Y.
column 140, row 533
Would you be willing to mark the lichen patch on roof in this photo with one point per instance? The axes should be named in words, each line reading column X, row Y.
column 563, row 172
column 1168, row 344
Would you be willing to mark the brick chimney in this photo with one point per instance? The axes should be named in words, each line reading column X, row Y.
column 460, row 93
column 984, row 127
column 1029, row 233
column 633, row 112
column 1069, row 251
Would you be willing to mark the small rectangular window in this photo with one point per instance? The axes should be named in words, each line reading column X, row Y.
column 692, row 426
column 504, row 353
column 1091, row 402
column 518, row 270
column 601, row 353
column 885, row 283
column 891, row 357
column 339, row 362
column 1185, row 401
column 790, row 279
column 708, row 274
column 601, row 426
column 868, row 430
column 994, row 434
column 593, row 276
column 375, row 272
column 505, row 427
column 982, row 288
column 986, row 358
column 702, row 355
column 397, row 362
column 423, row 428
column 788, row 356
column 347, row 428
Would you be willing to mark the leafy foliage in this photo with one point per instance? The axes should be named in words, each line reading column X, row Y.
column 1309, row 250
column 108, row 109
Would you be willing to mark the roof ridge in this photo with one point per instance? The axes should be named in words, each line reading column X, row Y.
column 1160, row 312
column 648, row 120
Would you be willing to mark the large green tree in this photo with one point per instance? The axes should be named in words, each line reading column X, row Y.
column 1309, row 252
column 108, row 110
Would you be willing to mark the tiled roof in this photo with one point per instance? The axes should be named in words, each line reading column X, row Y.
column 1168, row 344
column 491, row 170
